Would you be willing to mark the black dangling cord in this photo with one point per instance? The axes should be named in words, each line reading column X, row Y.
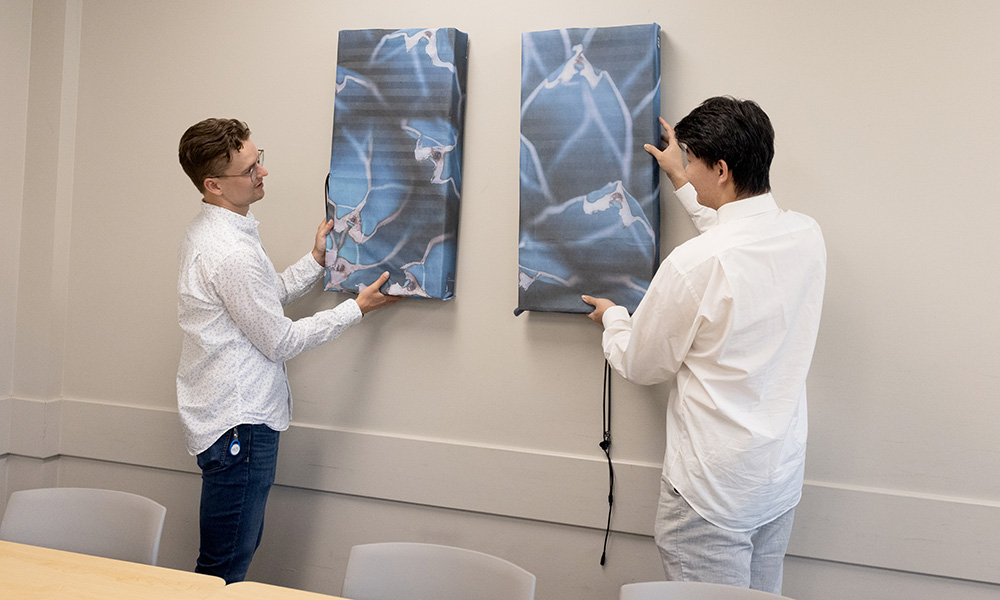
column 606, row 446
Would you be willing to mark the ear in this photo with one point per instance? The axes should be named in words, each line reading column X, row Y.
column 725, row 184
column 212, row 186
column 723, row 173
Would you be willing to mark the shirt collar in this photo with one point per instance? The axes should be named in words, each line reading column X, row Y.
column 248, row 223
column 747, row 207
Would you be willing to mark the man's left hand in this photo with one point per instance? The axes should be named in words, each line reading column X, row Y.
column 600, row 305
column 319, row 250
column 670, row 158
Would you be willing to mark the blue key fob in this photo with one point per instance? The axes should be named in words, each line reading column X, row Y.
column 234, row 447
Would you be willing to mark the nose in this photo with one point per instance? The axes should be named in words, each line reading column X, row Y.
column 261, row 171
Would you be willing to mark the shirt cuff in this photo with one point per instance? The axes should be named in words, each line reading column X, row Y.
column 614, row 314
column 315, row 267
column 688, row 197
column 352, row 310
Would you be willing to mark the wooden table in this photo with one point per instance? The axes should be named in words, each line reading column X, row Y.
column 249, row 590
column 34, row 573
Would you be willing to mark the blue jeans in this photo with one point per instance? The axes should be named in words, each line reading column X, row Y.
column 235, row 480
column 693, row 549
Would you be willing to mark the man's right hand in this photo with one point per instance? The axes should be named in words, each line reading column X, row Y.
column 600, row 306
column 371, row 298
column 671, row 158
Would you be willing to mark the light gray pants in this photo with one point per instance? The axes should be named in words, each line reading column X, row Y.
column 693, row 549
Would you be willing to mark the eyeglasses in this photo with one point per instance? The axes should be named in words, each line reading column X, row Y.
column 253, row 169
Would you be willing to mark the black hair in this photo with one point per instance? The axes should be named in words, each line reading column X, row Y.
column 736, row 131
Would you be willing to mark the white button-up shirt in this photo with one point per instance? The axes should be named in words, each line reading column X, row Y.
column 236, row 335
column 732, row 315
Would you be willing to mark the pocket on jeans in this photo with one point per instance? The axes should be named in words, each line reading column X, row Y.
column 217, row 455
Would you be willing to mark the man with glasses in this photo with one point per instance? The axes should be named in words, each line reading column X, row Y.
column 233, row 394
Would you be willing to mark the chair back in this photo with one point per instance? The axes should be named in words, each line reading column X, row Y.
column 410, row 571
column 98, row 522
column 690, row 590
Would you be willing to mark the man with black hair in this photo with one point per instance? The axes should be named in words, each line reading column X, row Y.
column 732, row 317
column 233, row 395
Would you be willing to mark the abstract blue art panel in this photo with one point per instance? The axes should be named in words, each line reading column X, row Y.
column 589, row 193
column 396, row 165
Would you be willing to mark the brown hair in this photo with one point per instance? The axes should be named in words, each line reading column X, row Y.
column 207, row 148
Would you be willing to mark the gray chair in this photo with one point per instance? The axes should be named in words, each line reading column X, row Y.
column 104, row 523
column 688, row 590
column 409, row 571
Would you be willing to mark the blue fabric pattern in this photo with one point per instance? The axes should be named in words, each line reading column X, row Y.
column 396, row 165
column 589, row 193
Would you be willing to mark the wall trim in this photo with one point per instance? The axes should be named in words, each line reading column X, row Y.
column 891, row 529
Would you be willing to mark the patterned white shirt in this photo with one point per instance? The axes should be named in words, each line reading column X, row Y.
column 732, row 315
column 236, row 335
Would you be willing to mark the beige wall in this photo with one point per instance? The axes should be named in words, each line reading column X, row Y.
column 457, row 422
column 15, row 31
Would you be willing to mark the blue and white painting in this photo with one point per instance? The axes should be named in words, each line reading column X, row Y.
column 395, row 178
column 589, row 193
